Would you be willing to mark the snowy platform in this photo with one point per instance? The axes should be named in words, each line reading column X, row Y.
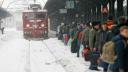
column 51, row 55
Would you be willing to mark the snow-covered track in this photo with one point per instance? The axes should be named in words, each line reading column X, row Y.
column 42, row 59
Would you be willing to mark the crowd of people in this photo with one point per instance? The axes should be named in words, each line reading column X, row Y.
column 104, row 44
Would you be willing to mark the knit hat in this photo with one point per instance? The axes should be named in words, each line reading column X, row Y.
column 95, row 23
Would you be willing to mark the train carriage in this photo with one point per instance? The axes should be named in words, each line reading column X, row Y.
column 35, row 24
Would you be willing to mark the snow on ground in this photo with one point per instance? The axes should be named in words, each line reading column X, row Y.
column 41, row 59
column 50, row 55
column 68, row 60
column 14, row 54
column 10, row 52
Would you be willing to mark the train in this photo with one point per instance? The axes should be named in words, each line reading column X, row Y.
column 35, row 23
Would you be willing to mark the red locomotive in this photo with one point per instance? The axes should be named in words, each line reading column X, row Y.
column 35, row 23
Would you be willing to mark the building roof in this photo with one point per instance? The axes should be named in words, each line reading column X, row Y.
column 54, row 5
column 4, row 13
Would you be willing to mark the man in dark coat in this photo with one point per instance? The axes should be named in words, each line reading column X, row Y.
column 92, row 34
column 60, row 36
column 101, row 39
column 121, row 50
column 79, row 36
column 85, row 35
column 92, row 39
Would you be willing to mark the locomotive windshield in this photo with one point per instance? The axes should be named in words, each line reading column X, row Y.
column 37, row 15
column 40, row 16
column 30, row 16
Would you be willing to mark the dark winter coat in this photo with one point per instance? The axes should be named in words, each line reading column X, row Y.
column 110, row 35
column 126, row 58
column 74, row 46
column 62, row 29
column 60, row 36
column 65, row 29
column 101, row 39
column 85, row 37
column 122, row 54
column 92, row 38
column 95, row 54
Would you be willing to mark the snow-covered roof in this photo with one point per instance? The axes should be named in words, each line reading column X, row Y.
column 32, row 11
column 19, row 4
column 4, row 13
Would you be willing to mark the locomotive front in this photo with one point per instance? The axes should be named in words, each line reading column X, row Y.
column 35, row 24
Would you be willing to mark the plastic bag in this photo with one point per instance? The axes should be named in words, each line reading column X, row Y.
column 70, row 42
column 81, row 48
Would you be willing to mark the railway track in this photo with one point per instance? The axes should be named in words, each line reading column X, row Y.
column 58, row 60
column 36, row 57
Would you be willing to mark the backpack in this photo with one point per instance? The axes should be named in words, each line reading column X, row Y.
column 109, row 54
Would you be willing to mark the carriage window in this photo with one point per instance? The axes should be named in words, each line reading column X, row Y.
column 30, row 16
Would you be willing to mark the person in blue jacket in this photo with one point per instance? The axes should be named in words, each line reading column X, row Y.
column 121, row 50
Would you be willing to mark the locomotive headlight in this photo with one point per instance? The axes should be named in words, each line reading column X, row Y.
column 27, row 25
column 42, row 25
